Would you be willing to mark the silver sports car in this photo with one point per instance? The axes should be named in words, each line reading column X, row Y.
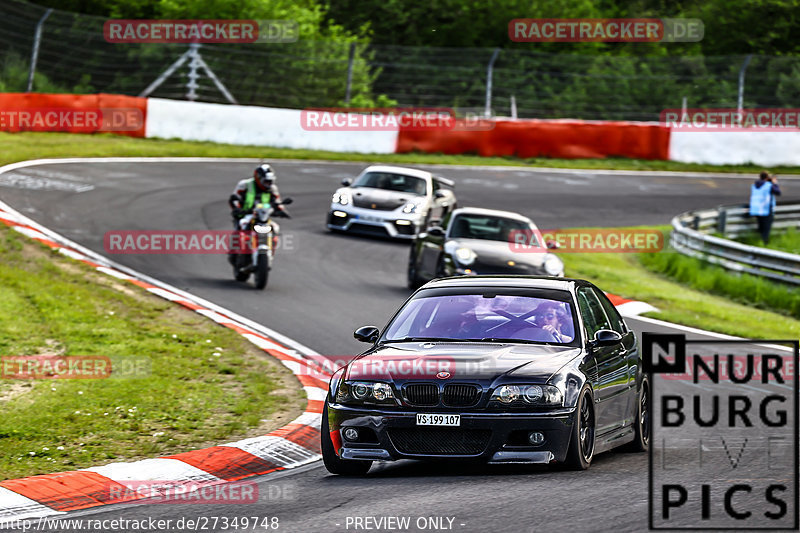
column 390, row 201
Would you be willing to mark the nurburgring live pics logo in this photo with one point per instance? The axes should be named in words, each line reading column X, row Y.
column 724, row 433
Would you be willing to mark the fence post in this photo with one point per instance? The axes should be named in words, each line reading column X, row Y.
column 487, row 112
column 722, row 219
column 37, row 37
column 740, row 100
column 192, row 84
column 350, row 59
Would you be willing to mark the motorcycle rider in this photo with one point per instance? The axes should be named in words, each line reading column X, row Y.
column 260, row 189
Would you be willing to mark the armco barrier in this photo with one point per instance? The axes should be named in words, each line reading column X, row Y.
column 690, row 237
column 545, row 138
column 32, row 102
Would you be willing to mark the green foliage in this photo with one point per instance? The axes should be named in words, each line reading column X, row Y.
column 14, row 76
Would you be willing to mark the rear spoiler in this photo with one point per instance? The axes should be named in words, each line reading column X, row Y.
column 445, row 181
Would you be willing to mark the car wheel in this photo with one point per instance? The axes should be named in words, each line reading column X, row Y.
column 335, row 465
column 641, row 439
column 413, row 279
column 581, row 444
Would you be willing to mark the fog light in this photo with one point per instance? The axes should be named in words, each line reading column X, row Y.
column 352, row 434
column 403, row 222
column 534, row 437
column 341, row 214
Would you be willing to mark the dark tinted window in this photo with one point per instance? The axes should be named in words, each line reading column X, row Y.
column 392, row 182
column 594, row 319
column 613, row 315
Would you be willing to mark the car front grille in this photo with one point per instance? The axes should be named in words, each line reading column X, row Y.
column 457, row 395
column 440, row 441
column 422, row 394
column 378, row 206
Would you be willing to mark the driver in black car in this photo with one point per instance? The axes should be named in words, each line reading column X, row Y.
column 551, row 318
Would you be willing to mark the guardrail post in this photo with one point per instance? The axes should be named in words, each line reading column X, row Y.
column 696, row 222
column 722, row 218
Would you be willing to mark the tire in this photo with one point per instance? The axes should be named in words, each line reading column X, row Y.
column 413, row 281
column 581, row 443
column 335, row 465
column 262, row 271
column 641, row 439
column 240, row 276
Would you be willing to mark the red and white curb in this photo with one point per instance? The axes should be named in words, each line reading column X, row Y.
column 291, row 446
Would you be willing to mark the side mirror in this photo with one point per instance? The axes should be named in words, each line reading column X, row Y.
column 436, row 231
column 347, row 182
column 552, row 245
column 287, row 201
column 439, row 194
column 367, row 334
column 607, row 337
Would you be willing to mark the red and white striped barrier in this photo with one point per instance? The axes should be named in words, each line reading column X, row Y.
column 284, row 128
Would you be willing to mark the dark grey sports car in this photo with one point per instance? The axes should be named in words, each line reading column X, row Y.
column 478, row 241
column 505, row 369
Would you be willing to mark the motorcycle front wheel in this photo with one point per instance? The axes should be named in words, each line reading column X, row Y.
column 262, row 271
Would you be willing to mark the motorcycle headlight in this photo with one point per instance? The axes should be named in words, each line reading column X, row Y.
column 341, row 198
column 553, row 265
column 262, row 228
column 465, row 256
column 365, row 392
column 522, row 395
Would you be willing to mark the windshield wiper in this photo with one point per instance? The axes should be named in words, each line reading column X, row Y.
column 501, row 339
column 421, row 339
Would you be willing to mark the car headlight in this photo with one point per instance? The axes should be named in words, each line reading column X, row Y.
column 341, row 198
column 411, row 208
column 466, row 256
column 365, row 392
column 553, row 265
column 522, row 395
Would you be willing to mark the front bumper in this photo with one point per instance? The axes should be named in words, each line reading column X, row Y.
column 378, row 430
column 394, row 223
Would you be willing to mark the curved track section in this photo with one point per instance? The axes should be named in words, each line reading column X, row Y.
column 324, row 285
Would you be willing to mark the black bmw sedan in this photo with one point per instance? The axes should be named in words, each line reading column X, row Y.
column 504, row 369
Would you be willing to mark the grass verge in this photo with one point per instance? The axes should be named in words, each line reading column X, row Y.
column 683, row 300
column 785, row 241
column 29, row 145
column 203, row 383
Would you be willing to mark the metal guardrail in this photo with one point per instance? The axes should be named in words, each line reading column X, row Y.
column 690, row 236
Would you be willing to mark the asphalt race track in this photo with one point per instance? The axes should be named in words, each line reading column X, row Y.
column 325, row 285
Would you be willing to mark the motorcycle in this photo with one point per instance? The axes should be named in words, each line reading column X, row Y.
column 256, row 246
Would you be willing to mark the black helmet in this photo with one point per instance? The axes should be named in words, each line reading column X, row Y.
column 264, row 174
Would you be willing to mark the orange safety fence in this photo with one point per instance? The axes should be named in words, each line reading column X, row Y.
column 569, row 139
column 73, row 113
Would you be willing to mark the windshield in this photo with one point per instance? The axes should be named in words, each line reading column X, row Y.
column 392, row 182
column 491, row 228
column 475, row 317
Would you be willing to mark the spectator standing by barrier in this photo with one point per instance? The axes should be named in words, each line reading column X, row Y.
column 762, row 202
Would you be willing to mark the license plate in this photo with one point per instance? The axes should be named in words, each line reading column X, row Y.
column 432, row 419
column 367, row 218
